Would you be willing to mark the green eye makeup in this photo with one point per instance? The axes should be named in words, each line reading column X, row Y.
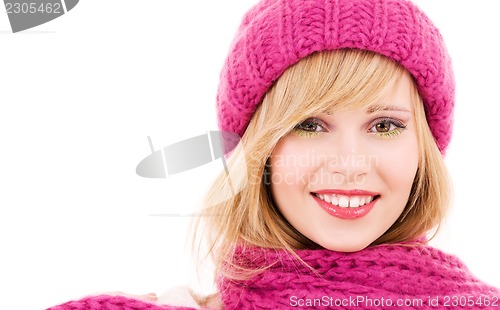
column 382, row 127
column 387, row 128
column 308, row 128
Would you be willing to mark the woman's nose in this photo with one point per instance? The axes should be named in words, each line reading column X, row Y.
column 350, row 158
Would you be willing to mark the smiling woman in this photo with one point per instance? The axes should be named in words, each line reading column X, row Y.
column 344, row 109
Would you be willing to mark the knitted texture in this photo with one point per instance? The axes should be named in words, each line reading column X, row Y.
column 106, row 302
column 415, row 275
column 422, row 277
column 276, row 34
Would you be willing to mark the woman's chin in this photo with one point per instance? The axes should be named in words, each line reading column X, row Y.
column 345, row 246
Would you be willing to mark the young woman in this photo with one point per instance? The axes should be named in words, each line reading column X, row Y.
column 344, row 108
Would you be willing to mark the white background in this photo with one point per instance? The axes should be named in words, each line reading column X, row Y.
column 80, row 94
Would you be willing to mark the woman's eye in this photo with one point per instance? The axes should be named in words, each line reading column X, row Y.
column 385, row 126
column 388, row 127
column 309, row 127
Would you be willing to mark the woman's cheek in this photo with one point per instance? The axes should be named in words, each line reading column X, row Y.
column 398, row 164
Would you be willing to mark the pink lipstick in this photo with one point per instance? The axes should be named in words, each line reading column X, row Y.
column 346, row 204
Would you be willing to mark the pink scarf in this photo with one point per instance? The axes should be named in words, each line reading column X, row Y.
column 380, row 277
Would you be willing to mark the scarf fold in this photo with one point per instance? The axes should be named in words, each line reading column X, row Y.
column 113, row 302
column 379, row 277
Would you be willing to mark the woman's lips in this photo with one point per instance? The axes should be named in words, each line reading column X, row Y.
column 347, row 205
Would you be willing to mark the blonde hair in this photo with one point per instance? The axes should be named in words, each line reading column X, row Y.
column 342, row 79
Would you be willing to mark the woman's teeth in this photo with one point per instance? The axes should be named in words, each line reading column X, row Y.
column 346, row 201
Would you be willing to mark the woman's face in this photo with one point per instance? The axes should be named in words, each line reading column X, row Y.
column 342, row 179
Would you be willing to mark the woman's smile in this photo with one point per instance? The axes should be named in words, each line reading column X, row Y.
column 347, row 205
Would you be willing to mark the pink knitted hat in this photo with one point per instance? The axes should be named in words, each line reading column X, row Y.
column 276, row 34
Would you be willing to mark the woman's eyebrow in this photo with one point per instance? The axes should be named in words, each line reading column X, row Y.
column 378, row 108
